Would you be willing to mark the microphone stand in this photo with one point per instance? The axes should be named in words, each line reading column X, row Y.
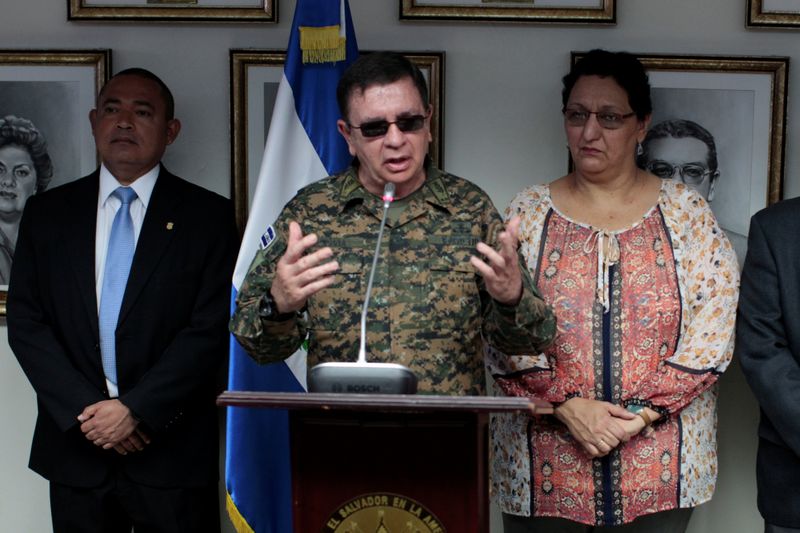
column 388, row 198
column 363, row 376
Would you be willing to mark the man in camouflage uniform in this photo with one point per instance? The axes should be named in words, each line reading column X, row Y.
column 432, row 299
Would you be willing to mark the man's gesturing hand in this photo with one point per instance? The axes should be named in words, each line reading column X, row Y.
column 501, row 270
column 298, row 275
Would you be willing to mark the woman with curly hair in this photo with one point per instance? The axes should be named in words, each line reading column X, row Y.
column 25, row 169
column 644, row 286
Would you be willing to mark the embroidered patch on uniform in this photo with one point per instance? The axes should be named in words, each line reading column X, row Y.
column 268, row 238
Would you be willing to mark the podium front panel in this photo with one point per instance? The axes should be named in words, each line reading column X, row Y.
column 429, row 468
column 388, row 463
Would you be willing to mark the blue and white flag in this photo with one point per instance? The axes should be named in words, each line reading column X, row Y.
column 303, row 145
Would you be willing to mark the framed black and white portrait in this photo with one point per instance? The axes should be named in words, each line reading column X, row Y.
column 45, row 137
column 175, row 10
column 773, row 14
column 536, row 11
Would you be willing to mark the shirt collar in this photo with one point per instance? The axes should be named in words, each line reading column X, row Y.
column 433, row 190
column 143, row 185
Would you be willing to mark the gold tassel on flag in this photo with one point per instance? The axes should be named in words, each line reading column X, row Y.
column 322, row 45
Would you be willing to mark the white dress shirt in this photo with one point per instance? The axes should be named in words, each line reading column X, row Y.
column 107, row 207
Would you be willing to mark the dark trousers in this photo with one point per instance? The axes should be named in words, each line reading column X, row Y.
column 675, row 521
column 120, row 505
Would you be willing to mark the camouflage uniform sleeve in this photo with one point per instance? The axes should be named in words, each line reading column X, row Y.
column 266, row 341
column 527, row 327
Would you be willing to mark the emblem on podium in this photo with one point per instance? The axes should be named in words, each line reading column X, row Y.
column 383, row 513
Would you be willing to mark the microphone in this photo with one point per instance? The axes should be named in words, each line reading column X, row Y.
column 363, row 377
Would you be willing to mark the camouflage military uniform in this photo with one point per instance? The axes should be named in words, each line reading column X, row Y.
column 429, row 308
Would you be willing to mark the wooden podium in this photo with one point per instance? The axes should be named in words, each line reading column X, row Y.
column 387, row 463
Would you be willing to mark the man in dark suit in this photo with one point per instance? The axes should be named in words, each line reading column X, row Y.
column 127, row 427
column 768, row 346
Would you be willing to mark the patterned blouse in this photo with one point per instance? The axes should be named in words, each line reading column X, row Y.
column 645, row 316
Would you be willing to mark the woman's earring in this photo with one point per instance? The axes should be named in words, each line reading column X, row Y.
column 639, row 149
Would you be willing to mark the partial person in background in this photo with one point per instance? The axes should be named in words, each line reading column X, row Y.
column 434, row 299
column 684, row 150
column 768, row 347
column 25, row 169
column 644, row 285
column 117, row 308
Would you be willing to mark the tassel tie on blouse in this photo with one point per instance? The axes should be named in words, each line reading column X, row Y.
column 607, row 256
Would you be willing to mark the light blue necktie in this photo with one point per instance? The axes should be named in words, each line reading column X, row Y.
column 121, row 245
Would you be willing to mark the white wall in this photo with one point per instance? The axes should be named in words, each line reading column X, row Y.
column 503, row 130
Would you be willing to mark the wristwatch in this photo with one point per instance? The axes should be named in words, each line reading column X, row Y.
column 639, row 410
column 268, row 310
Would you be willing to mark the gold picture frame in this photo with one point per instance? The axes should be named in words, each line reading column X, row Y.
column 762, row 14
column 604, row 12
column 741, row 102
column 175, row 11
column 255, row 75
column 54, row 90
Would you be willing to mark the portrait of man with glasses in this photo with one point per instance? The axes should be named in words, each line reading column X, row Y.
column 684, row 150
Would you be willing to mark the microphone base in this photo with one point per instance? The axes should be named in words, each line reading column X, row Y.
column 362, row 378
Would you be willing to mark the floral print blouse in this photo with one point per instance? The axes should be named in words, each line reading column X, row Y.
column 652, row 326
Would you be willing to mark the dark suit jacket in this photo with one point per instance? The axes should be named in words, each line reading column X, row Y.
column 171, row 337
column 768, row 346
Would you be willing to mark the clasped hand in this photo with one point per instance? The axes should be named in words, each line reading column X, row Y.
column 500, row 268
column 598, row 426
column 110, row 424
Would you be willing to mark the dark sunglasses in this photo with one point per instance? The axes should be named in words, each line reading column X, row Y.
column 378, row 128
